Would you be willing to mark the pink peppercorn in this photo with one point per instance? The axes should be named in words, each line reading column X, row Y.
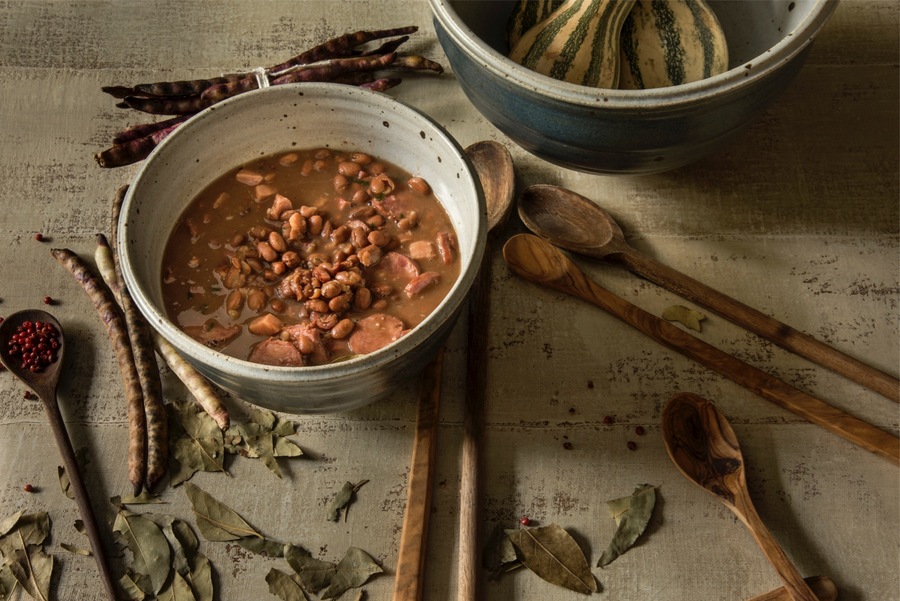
column 39, row 237
column 525, row 520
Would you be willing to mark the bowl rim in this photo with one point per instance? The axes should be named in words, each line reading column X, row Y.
column 730, row 81
column 213, row 359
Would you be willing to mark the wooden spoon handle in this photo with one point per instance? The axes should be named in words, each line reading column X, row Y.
column 574, row 281
column 473, row 417
column 761, row 324
column 81, row 495
column 822, row 586
column 794, row 584
column 408, row 583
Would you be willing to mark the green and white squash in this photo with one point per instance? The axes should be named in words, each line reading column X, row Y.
column 578, row 42
column 525, row 15
column 671, row 42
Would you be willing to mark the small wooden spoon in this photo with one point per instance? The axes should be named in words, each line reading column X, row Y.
column 705, row 449
column 44, row 384
column 538, row 261
column 575, row 223
column 494, row 167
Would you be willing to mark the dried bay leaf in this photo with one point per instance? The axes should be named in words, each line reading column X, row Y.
column 284, row 586
column 145, row 498
column 263, row 546
column 353, row 571
column 552, row 553
column 8, row 583
column 32, row 569
column 313, row 574
column 28, row 529
column 76, row 550
column 177, row 590
column 10, row 522
column 342, row 499
column 129, row 583
column 196, row 442
column 82, row 459
column 183, row 542
column 151, row 555
column 201, row 579
column 499, row 555
column 217, row 521
column 632, row 514
column 689, row 318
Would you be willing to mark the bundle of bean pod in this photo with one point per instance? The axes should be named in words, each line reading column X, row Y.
column 340, row 60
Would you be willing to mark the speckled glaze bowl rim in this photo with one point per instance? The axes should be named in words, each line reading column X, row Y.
column 416, row 337
column 731, row 81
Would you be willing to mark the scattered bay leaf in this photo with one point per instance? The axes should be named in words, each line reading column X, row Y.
column 689, row 318
column 217, row 521
column 183, row 542
column 196, row 442
column 631, row 514
column 29, row 529
column 32, row 569
column 177, row 590
column 82, row 459
column 8, row 583
column 552, row 553
column 145, row 498
column 284, row 586
column 10, row 522
column 262, row 546
column 353, row 571
column 76, row 550
column 499, row 555
column 201, row 578
column 134, row 585
column 313, row 574
column 149, row 548
column 342, row 499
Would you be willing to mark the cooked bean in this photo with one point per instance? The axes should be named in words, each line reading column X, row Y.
column 288, row 159
column 266, row 252
column 318, row 305
column 331, row 289
column 237, row 240
column 359, row 237
column 315, row 225
column 278, row 305
column 305, row 344
column 280, row 205
column 375, row 221
column 257, row 300
column 277, row 242
column 343, row 329
column 348, row 278
column 307, row 168
column 360, row 158
column 419, row 185
column 221, row 200
column 369, row 255
column 308, row 211
column 291, row 259
column 278, row 267
column 340, row 303
column 362, row 299
column 340, row 182
column 348, row 168
column 359, row 197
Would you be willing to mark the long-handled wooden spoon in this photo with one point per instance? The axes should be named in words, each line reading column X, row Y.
column 494, row 167
column 575, row 223
column 706, row 451
column 44, row 384
column 536, row 260
column 822, row 586
column 496, row 171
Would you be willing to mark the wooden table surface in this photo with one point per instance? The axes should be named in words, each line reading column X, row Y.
column 799, row 218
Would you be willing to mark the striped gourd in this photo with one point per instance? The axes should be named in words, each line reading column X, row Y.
column 671, row 42
column 577, row 43
column 525, row 15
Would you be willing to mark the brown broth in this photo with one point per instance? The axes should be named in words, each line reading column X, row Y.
column 307, row 257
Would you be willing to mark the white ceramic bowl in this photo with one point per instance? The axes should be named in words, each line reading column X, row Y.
column 273, row 120
column 629, row 131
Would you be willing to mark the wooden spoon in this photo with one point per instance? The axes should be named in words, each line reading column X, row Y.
column 575, row 223
column 822, row 586
column 705, row 449
column 496, row 170
column 538, row 261
column 494, row 167
column 44, row 384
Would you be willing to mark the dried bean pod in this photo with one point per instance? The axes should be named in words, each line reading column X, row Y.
column 145, row 362
column 341, row 46
column 145, row 129
column 133, row 150
column 222, row 91
column 380, row 85
column 389, row 46
column 338, row 66
column 112, row 319
column 414, row 62
column 190, row 87
column 158, row 105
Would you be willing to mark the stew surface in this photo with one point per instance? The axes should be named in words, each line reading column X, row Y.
column 308, row 257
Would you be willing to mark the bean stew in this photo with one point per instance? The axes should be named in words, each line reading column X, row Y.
column 308, row 257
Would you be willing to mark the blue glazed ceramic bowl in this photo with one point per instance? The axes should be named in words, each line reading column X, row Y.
column 629, row 131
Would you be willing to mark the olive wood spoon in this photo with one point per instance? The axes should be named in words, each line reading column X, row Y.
column 706, row 451
column 575, row 223
column 538, row 261
column 494, row 166
column 822, row 586
column 44, row 384
column 495, row 172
